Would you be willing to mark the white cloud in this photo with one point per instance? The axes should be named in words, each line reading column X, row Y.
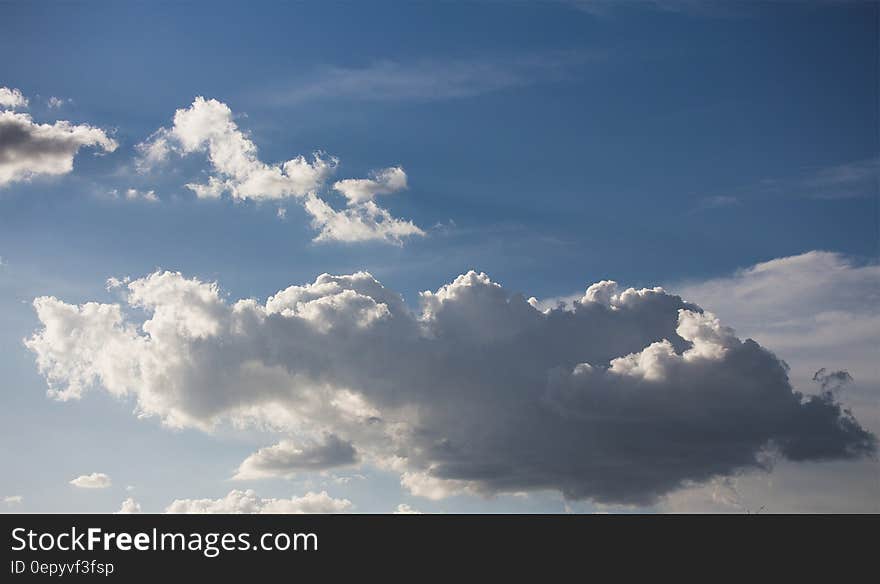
column 96, row 480
column 12, row 98
column 129, row 506
column 404, row 509
column 383, row 182
column 29, row 149
column 208, row 126
column 287, row 458
column 629, row 395
column 362, row 222
column 13, row 500
column 239, row 502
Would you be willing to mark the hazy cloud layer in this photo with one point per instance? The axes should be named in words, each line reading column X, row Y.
column 623, row 398
column 208, row 126
column 239, row 502
column 96, row 480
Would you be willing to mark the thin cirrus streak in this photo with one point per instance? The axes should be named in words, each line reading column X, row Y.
column 433, row 80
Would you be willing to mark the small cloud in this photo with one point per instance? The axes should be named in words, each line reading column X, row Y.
column 113, row 283
column 832, row 382
column 287, row 458
column 404, row 509
column 56, row 102
column 129, row 506
column 134, row 195
column 13, row 500
column 96, row 480
column 33, row 149
column 347, row 479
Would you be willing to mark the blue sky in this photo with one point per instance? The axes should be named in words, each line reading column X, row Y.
column 550, row 145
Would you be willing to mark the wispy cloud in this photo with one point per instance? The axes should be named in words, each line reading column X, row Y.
column 848, row 180
column 434, row 80
column 852, row 179
column 698, row 7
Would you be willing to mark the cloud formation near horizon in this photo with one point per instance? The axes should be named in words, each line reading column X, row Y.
column 96, row 480
column 29, row 149
column 624, row 397
column 129, row 506
column 240, row 502
column 208, row 126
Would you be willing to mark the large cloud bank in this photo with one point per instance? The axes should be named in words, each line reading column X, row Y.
column 29, row 149
column 623, row 397
column 208, row 126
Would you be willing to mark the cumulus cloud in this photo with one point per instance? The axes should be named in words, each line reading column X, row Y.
column 240, row 502
column 383, row 182
column 817, row 311
column 404, row 509
column 287, row 458
column 129, row 506
column 29, row 149
column 96, row 480
column 13, row 500
column 12, row 98
column 208, row 126
column 623, row 397
column 361, row 222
